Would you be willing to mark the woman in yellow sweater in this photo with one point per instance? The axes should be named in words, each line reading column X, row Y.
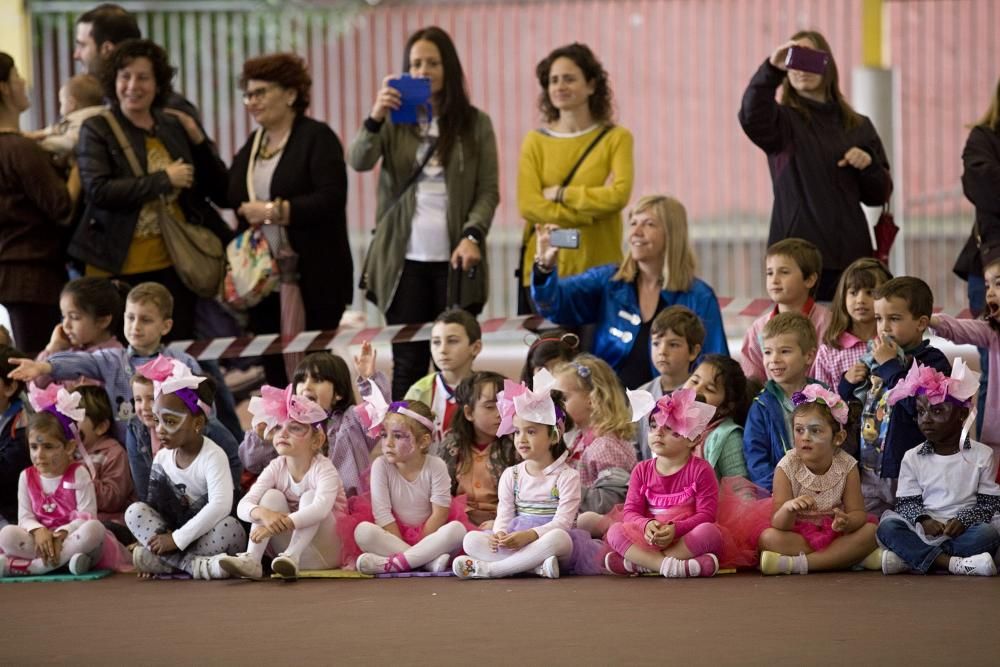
column 576, row 170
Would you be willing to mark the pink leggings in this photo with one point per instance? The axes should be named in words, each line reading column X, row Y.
column 702, row 539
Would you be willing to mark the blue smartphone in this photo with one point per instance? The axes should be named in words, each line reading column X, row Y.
column 416, row 97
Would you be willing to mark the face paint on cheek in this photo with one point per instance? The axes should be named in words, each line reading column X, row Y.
column 170, row 420
column 403, row 443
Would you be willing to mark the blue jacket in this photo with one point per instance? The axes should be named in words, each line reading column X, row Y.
column 766, row 438
column 613, row 305
column 902, row 434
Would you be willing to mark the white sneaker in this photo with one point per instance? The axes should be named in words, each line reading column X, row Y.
column 549, row 568
column 80, row 563
column 980, row 565
column 470, row 568
column 242, row 565
column 285, row 565
column 439, row 564
column 146, row 562
column 208, row 567
column 893, row 564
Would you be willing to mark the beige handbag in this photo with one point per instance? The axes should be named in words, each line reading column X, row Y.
column 197, row 253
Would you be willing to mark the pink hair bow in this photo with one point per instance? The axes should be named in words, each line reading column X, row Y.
column 533, row 405
column 180, row 377
column 158, row 369
column 816, row 393
column 275, row 407
column 683, row 414
column 641, row 402
column 373, row 410
column 57, row 400
column 936, row 386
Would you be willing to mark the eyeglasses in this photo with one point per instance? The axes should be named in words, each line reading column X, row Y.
column 256, row 95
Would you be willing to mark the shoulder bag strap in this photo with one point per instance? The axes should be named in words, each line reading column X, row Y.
column 597, row 140
column 257, row 138
column 413, row 177
column 123, row 141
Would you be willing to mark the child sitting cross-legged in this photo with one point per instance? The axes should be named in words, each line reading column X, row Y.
column 819, row 521
column 294, row 503
column 946, row 494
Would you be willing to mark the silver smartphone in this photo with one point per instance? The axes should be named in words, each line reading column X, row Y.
column 565, row 238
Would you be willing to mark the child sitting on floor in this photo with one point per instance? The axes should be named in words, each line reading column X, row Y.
column 57, row 508
column 668, row 523
column 539, row 498
column 819, row 521
column 293, row 504
column 417, row 524
column 185, row 522
column 946, row 495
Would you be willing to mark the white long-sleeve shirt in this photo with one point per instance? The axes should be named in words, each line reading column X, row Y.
column 86, row 499
column 207, row 474
column 410, row 501
column 321, row 478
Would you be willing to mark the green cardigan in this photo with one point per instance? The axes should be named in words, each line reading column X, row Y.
column 472, row 182
column 724, row 450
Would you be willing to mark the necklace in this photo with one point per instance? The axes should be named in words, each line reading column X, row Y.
column 267, row 153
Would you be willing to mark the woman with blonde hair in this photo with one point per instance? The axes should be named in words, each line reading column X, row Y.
column 622, row 300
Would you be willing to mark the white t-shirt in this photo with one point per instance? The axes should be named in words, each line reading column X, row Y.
column 429, row 240
column 410, row 501
column 208, row 474
column 948, row 484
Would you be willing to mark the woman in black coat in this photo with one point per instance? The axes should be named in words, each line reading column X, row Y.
column 295, row 166
column 825, row 158
column 119, row 234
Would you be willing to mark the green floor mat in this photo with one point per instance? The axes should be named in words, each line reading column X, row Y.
column 58, row 576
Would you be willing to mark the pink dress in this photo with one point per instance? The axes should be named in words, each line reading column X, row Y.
column 59, row 509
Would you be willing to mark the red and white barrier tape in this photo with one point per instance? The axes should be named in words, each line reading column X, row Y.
column 314, row 341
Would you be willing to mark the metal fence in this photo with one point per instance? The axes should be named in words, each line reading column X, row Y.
column 678, row 69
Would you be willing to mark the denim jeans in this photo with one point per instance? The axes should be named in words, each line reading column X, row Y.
column 900, row 537
column 977, row 304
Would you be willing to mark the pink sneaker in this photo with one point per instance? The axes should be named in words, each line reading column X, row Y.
column 705, row 565
column 615, row 563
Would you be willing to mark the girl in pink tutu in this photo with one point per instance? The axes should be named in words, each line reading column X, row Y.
column 538, row 498
column 297, row 500
column 819, row 521
column 668, row 521
column 416, row 524
column 57, row 506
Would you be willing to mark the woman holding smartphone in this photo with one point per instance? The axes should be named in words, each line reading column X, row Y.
column 437, row 191
column 623, row 299
column 576, row 170
column 825, row 158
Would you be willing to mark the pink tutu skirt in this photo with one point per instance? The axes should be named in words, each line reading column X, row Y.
column 819, row 534
column 359, row 508
column 745, row 511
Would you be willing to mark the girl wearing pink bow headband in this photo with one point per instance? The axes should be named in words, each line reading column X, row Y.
column 819, row 520
column 296, row 502
column 185, row 521
column 57, row 510
column 668, row 520
column 539, row 498
column 415, row 523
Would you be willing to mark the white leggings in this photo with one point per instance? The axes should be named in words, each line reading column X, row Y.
column 315, row 547
column 227, row 536
column 19, row 543
column 444, row 540
column 504, row 562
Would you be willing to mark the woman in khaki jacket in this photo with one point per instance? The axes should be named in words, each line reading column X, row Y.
column 437, row 191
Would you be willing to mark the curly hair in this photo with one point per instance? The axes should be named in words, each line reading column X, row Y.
column 285, row 69
column 610, row 413
column 130, row 50
column 601, row 102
